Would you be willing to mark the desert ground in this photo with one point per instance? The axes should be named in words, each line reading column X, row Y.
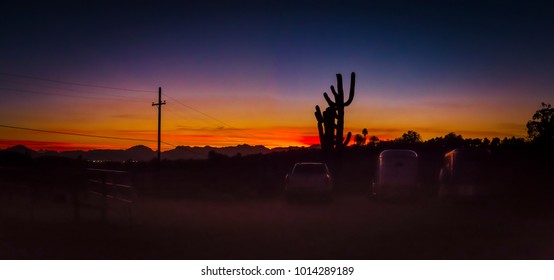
column 351, row 226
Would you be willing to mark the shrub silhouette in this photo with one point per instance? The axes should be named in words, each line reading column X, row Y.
column 541, row 127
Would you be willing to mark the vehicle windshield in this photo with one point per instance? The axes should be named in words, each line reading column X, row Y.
column 310, row 169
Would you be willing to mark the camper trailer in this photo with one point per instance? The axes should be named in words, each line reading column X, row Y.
column 397, row 174
column 464, row 173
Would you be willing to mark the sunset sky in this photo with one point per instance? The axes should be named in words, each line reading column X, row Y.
column 251, row 72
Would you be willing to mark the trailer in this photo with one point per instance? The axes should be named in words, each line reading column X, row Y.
column 397, row 174
column 465, row 173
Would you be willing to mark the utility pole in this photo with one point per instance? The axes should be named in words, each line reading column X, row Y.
column 159, row 104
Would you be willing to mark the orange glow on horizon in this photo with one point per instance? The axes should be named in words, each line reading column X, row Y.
column 259, row 120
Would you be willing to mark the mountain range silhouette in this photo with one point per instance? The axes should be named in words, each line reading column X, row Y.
column 143, row 153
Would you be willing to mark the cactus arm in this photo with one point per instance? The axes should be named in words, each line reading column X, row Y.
column 352, row 85
column 339, row 85
column 329, row 101
column 347, row 139
column 318, row 115
column 335, row 94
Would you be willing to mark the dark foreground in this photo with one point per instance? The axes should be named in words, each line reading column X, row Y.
column 349, row 227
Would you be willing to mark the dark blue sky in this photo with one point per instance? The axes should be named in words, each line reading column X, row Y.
column 483, row 42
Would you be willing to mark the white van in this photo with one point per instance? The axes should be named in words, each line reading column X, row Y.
column 397, row 173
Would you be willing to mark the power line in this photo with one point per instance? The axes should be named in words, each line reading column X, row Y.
column 204, row 114
column 176, row 113
column 197, row 111
column 64, row 95
column 169, row 144
column 214, row 118
column 72, row 83
column 77, row 90
column 76, row 134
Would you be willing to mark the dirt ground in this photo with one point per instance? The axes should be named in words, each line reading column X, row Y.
column 348, row 227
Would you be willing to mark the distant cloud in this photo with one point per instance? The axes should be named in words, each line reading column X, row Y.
column 511, row 126
column 447, row 104
column 131, row 116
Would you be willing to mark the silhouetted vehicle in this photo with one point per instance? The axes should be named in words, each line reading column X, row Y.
column 309, row 178
column 397, row 174
column 465, row 173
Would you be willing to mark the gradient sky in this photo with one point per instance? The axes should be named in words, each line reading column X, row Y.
column 252, row 71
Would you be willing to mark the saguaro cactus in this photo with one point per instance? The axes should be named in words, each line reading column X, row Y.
column 335, row 111
column 326, row 127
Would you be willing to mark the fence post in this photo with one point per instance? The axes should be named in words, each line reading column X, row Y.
column 76, row 204
column 104, row 199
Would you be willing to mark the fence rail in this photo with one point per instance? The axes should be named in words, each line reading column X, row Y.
column 111, row 185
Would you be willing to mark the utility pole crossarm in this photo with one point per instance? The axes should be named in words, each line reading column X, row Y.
column 159, row 104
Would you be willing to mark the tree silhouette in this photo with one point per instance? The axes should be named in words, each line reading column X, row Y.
column 326, row 124
column 473, row 142
column 364, row 132
column 541, row 127
column 453, row 140
column 513, row 141
column 373, row 140
column 410, row 137
column 359, row 140
column 486, row 141
column 495, row 142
